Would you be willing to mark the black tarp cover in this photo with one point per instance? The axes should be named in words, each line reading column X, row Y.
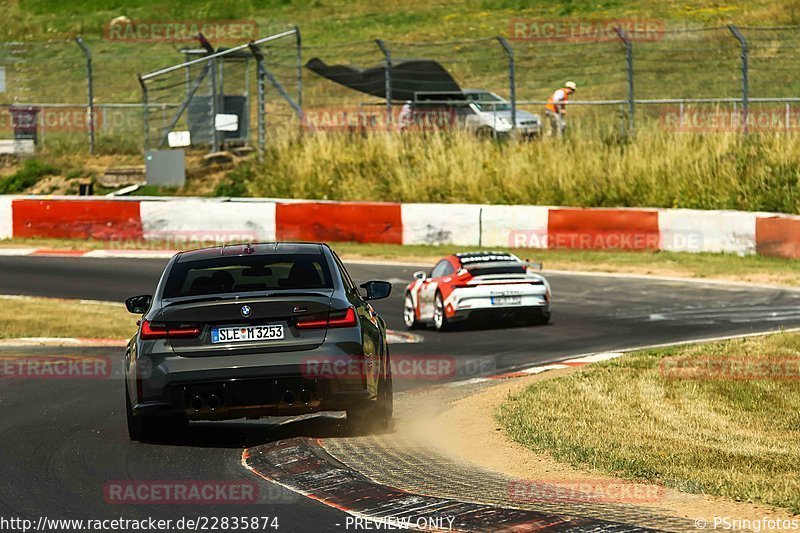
column 408, row 76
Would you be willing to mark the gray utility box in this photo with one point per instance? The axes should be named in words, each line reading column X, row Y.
column 165, row 168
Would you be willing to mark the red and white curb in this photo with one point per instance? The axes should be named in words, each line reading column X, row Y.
column 131, row 220
column 302, row 466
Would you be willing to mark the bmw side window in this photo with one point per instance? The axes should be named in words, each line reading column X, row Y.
column 448, row 269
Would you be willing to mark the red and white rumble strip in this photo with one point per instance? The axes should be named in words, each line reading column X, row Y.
column 127, row 223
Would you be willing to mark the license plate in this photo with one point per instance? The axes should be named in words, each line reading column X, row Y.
column 506, row 300
column 247, row 333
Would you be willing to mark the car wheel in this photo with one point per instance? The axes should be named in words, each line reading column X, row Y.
column 376, row 416
column 410, row 313
column 439, row 317
column 485, row 132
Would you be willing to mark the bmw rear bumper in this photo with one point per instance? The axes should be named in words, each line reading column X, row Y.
column 254, row 398
column 328, row 378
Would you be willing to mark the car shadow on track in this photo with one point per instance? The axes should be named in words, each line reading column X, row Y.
column 485, row 325
column 246, row 434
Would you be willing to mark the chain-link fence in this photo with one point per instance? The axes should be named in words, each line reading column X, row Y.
column 69, row 95
column 73, row 94
column 210, row 98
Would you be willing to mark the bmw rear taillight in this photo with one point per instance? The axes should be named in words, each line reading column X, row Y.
column 153, row 331
column 344, row 318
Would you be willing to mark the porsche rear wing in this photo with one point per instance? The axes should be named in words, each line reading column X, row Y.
column 534, row 265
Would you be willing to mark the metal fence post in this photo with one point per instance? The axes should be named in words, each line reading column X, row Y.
column 388, row 80
column 214, row 106
column 629, row 59
column 145, row 108
column 262, row 129
column 90, row 90
column 745, row 77
column 511, row 82
column 299, row 67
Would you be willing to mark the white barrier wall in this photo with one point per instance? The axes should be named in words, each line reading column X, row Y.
column 6, row 217
column 208, row 220
column 441, row 224
column 690, row 230
column 517, row 226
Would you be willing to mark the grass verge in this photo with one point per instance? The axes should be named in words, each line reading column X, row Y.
column 656, row 169
column 728, row 267
column 48, row 317
column 705, row 418
column 29, row 174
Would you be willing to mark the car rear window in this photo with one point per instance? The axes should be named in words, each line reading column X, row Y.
column 256, row 273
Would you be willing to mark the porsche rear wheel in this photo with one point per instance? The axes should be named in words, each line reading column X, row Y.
column 439, row 317
column 410, row 313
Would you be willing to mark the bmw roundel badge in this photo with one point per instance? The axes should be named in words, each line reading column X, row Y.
column 246, row 310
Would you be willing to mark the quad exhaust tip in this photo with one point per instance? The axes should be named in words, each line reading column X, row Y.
column 197, row 403
column 288, row 397
column 305, row 396
column 214, row 402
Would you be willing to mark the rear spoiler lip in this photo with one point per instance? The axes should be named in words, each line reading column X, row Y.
column 527, row 264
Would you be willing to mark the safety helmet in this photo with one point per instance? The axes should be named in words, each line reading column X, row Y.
column 570, row 85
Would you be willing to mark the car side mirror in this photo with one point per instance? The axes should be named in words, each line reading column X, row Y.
column 138, row 304
column 377, row 290
column 420, row 275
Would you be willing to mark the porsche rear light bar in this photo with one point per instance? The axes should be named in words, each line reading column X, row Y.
column 152, row 331
column 343, row 318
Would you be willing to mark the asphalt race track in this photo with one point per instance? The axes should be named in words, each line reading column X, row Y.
column 62, row 441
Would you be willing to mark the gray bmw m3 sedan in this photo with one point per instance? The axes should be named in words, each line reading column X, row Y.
column 247, row 331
